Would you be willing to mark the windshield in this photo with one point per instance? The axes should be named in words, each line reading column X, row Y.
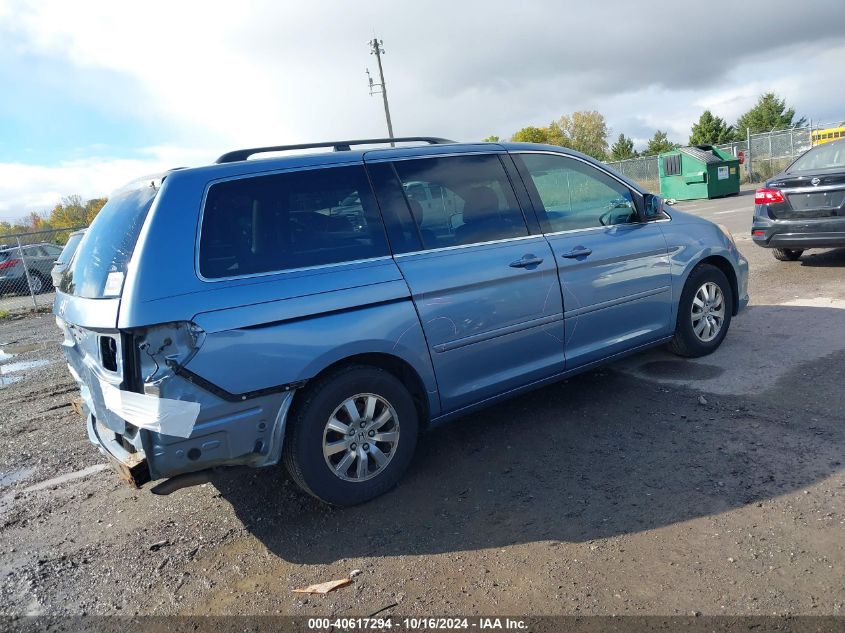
column 821, row 157
column 99, row 266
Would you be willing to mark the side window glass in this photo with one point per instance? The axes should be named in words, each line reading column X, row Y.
column 402, row 232
column 575, row 195
column 458, row 200
column 282, row 221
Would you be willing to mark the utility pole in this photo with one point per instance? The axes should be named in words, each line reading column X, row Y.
column 376, row 88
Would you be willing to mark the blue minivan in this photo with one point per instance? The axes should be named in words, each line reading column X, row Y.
column 322, row 309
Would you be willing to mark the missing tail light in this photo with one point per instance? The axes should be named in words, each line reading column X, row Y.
column 166, row 347
column 108, row 353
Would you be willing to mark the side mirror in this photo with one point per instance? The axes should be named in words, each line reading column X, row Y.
column 653, row 207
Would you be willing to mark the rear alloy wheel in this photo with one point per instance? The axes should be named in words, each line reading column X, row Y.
column 37, row 284
column 361, row 437
column 704, row 313
column 351, row 435
column 787, row 254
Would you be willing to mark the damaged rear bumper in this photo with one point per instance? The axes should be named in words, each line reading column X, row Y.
column 154, row 421
column 247, row 434
column 182, row 427
column 132, row 467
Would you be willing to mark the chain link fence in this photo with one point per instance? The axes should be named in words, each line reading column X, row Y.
column 764, row 155
column 641, row 170
column 772, row 152
column 26, row 264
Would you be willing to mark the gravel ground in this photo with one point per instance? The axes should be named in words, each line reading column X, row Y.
column 652, row 486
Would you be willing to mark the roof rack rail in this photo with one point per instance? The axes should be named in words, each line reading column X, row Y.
column 339, row 146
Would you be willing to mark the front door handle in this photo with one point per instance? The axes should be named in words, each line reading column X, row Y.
column 527, row 261
column 578, row 251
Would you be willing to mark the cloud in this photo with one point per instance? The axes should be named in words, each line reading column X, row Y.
column 216, row 75
column 25, row 188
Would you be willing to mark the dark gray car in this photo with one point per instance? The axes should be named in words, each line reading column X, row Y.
column 61, row 264
column 27, row 268
column 803, row 207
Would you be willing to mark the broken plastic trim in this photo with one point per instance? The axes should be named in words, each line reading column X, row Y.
column 218, row 391
column 131, row 467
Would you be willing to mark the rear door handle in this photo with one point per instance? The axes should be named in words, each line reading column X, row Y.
column 578, row 251
column 527, row 261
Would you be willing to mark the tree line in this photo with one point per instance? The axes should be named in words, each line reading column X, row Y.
column 587, row 131
column 72, row 211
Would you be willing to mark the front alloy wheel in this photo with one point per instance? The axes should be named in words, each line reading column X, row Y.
column 708, row 312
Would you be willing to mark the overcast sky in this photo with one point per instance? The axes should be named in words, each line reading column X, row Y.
column 97, row 93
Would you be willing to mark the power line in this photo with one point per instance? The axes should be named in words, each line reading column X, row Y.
column 376, row 88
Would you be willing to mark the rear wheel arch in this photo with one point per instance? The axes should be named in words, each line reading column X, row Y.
column 399, row 368
column 701, row 303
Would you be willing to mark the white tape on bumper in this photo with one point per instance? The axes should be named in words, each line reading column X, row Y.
column 170, row 417
column 84, row 392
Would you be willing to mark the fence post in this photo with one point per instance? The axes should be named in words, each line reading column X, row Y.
column 26, row 272
column 748, row 154
column 770, row 154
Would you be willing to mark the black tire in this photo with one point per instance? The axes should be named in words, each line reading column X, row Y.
column 787, row 254
column 685, row 341
column 303, row 448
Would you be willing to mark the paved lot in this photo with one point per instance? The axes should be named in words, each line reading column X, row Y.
column 653, row 486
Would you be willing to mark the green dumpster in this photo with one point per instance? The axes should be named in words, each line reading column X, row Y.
column 698, row 171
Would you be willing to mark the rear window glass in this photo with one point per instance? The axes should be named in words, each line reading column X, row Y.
column 99, row 266
column 51, row 250
column 273, row 223
column 70, row 248
column 821, row 157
